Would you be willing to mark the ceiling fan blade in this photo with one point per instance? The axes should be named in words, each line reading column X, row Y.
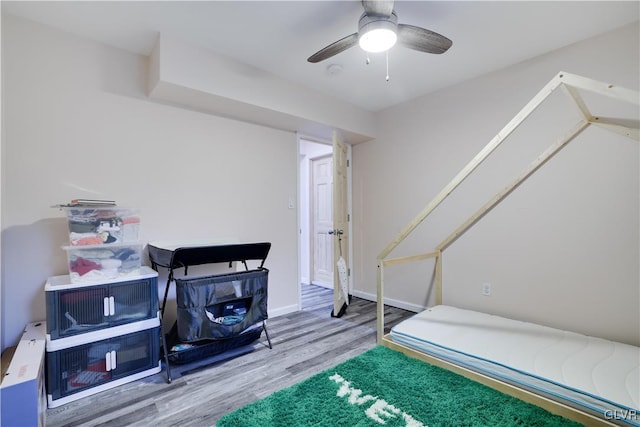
column 378, row 7
column 417, row 38
column 334, row 48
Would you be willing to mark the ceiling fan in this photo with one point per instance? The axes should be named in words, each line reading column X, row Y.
column 378, row 31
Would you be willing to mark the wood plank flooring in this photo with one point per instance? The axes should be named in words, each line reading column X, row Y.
column 304, row 343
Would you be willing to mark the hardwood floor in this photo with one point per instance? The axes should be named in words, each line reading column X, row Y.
column 304, row 343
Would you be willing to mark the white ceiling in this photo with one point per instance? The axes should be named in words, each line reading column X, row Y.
column 278, row 36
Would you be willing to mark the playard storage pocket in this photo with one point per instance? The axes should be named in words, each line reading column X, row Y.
column 220, row 307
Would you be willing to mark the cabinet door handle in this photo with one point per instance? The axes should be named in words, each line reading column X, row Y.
column 106, row 306
column 110, row 360
column 112, row 306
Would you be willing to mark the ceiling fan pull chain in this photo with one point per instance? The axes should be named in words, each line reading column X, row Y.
column 368, row 60
column 387, row 65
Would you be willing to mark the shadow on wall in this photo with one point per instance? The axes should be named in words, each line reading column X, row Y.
column 30, row 254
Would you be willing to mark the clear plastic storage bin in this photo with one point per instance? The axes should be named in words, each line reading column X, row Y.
column 97, row 263
column 90, row 226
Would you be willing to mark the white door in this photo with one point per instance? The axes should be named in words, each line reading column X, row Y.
column 340, row 221
column 322, row 221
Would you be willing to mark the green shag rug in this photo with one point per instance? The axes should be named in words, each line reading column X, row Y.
column 383, row 387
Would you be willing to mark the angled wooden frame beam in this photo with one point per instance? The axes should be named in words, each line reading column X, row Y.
column 624, row 129
column 613, row 126
column 530, row 170
column 474, row 163
column 609, row 90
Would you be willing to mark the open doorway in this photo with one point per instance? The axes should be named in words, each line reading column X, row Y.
column 316, row 258
column 324, row 200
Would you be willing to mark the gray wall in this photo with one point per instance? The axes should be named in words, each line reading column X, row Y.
column 563, row 250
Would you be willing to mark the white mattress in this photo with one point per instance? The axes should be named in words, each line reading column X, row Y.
column 594, row 374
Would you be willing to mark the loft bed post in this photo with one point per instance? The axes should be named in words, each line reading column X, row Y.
column 380, row 302
column 438, row 279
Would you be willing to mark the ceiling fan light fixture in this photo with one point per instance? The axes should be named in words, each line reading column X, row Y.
column 377, row 33
column 378, row 40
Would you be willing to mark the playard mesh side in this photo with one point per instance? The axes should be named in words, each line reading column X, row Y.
column 221, row 306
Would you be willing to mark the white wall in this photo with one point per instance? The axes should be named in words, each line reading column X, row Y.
column 77, row 123
column 563, row 250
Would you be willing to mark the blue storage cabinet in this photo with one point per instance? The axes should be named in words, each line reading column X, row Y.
column 100, row 335
column 90, row 367
column 74, row 309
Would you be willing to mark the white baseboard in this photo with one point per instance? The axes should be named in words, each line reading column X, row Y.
column 281, row 311
column 389, row 301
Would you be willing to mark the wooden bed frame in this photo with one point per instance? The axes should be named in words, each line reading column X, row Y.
column 570, row 84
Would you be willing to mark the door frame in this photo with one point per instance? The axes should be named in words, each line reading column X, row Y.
column 329, row 142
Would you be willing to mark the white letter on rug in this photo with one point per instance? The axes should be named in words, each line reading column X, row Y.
column 411, row 422
column 353, row 393
column 380, row 407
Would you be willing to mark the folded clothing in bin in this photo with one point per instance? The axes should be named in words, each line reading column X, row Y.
column 221, row 306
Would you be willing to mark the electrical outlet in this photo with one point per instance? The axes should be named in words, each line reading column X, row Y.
column 486, row 289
